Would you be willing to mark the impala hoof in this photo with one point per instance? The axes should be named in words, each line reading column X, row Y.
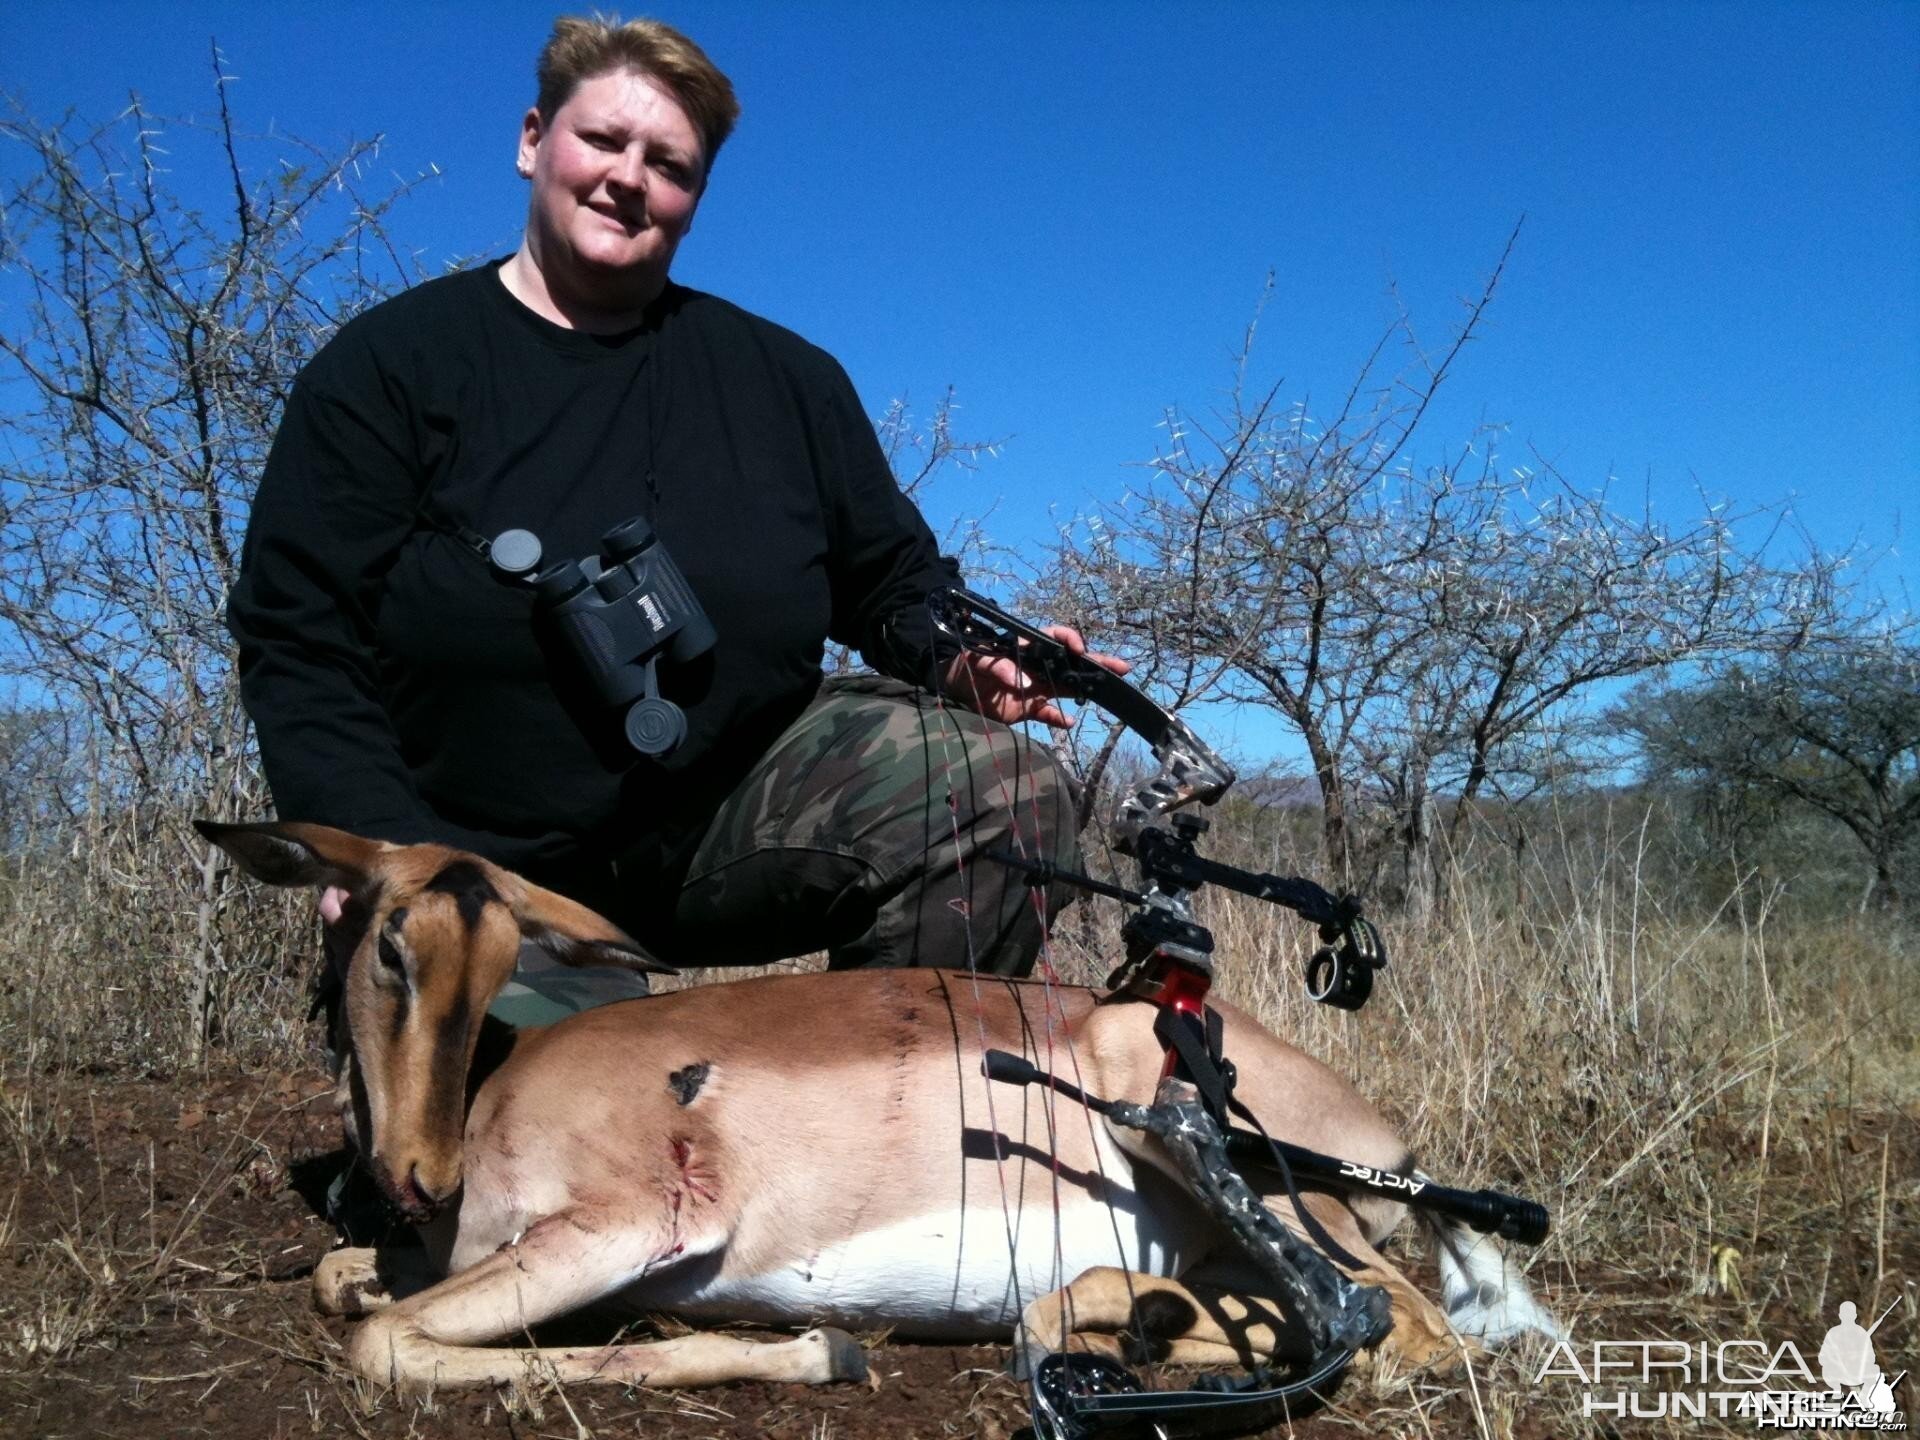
column 348, row 1282
column 845, row 1360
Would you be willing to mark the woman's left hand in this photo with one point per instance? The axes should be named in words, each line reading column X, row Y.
column 997, row 687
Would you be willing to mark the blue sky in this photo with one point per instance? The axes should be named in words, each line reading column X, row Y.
column 1067, row 211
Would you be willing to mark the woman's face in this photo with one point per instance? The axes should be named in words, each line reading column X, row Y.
column 617, row 174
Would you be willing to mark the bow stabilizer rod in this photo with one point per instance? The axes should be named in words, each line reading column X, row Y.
column 1490, row 1212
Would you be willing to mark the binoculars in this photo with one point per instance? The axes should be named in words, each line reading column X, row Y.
column 618, row 614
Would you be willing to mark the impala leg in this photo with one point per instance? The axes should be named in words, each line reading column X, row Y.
column 567, row 1261
column 1211, row 1318
column 1147, row 1317
column 1421, row 1338
column 818, row 1357
column 359, row 1280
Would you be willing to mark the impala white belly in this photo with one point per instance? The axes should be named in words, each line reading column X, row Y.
column 949, row 1274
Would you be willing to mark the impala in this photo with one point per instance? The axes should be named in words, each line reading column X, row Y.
column 813, row 1150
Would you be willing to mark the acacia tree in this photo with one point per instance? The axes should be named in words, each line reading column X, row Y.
column 1421, row 629
column 163, row 282
column 1548, row 593
column 1836, row 729
column 1234, row 573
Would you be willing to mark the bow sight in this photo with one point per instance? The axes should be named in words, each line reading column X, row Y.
column 1169, row 963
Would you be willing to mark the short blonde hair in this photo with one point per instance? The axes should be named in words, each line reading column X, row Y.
column 581, row 48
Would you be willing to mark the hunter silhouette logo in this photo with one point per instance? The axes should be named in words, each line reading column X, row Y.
column 1772, row 1385
column 1846, row 1363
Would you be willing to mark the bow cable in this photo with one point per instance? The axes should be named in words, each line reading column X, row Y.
column 1054, row 1010
column 1053, row 1014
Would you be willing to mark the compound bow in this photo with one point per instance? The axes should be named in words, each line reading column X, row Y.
column 1169, row 962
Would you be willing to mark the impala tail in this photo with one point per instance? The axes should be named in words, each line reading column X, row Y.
column 1485, row 1295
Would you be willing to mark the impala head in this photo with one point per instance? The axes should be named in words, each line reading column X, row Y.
column 438, row 931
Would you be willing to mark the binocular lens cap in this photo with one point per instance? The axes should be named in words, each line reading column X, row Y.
column 515, row 552
column 655, row 726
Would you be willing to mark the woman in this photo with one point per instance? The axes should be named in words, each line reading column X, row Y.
column 399, row 689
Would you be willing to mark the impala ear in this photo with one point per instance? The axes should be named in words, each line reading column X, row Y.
column 292, row 852
column 575, row 935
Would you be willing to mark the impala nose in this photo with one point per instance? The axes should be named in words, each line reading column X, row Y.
column 422, row 1199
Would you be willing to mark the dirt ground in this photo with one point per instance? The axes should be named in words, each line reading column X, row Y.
column 154, row 1269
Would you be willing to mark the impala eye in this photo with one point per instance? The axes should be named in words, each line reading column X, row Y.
column 392, row 961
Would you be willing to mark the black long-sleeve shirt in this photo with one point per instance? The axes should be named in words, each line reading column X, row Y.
column 397, row 686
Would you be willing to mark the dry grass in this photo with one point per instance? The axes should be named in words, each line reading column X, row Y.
column 1720, row 1110
column 101, row 938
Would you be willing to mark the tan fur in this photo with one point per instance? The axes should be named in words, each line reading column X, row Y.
column 829, row 1109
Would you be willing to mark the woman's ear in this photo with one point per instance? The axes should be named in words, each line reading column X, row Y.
column 531, row 131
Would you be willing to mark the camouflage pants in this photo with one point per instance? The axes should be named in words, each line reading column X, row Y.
column 863, row 832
